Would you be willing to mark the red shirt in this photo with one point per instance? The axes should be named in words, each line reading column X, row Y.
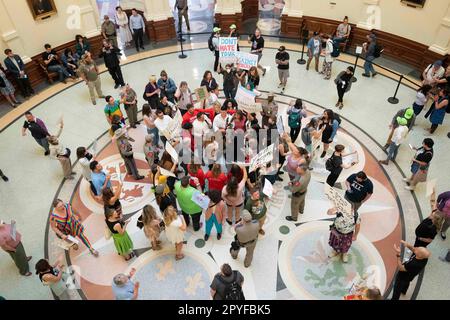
column 200, row 175
column 190, row 118
column 216, row 183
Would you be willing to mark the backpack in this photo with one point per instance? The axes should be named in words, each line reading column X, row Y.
column 294, row 120
column 378, row 51
column 210, row 43
column 336, row 50
column 306, row 137
column 329, row 164
column 233, row 291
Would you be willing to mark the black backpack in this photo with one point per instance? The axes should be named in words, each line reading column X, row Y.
column 233, row 290
column 378, row 51
column 329, row 164
column 336, row 50
column 337, row 118
column 210, row 43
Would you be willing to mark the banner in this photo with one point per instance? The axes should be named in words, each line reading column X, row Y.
column 227, row 50
column 173, row 153
column 262, row 158
column 246, row 100
column 246, row 60
column 200, row 199
column 166, row 173
column 201, row 93
column 338, row 200
column 173, row 129
column 268, row 188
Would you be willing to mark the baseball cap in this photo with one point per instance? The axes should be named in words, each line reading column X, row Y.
column 437, row 63
column 233, row 26
column 409, row 113
column 402, row 121
column 216, row 29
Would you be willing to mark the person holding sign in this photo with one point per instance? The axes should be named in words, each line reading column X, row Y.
column 66, row 222
column 234, row 34
column 229, row 83
column 253, row 79
column 343, row 232
column 299, row 188
column 12, row 244
column 233, row 194
column 257, row 42
column 335, row 164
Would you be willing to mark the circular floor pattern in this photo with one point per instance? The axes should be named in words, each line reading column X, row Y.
column 298, row 251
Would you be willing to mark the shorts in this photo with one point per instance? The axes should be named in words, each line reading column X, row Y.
column 283, row 73
column 233, row 206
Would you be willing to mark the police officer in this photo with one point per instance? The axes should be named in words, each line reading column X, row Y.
column 246, row 237
column 299, row 188
column 126, row 151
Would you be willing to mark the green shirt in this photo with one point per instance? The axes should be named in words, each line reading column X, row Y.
column 257, row 211
column 184, row 197
column 89, row 70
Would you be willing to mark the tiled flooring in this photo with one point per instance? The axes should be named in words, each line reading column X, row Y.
column 36, row 180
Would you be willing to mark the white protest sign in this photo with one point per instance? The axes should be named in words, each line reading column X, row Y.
column 72, row 239
column 173, row 129
column 173, row 153
column 315, row 147
column 166, row 173
column 246, row 60
column 268, row 188
column 227, row 50
column 119, row 175
column 246, row 100
column 13, row 230
column 431, row 187
column 338, row 200
column 200, row 199
column 262, row 158
column 280, row 125
column 359, row 50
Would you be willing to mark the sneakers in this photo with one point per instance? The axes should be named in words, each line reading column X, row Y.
column 443, row 259
column 264, row 72
column 47, row 153
column 443, row 236
column 94, row 102
column 345, row 257
column 280, row 85
column 385, row 162
column 366, row 75
column 219, row 236
column 5, row 178
column 341, row 105
column 410, row 188
column 406, row 180
column 374, row 74
column 206, row 237
column 289, row 218
column 323, row 154
column 386, row 146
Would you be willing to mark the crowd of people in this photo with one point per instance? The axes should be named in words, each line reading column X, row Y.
column 214, row 148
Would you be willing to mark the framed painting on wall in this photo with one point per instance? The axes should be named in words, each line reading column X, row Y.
column 414, row 3
column 42, row 9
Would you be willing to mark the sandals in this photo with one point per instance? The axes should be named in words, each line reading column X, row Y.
column 94, row 253
column 179, row 257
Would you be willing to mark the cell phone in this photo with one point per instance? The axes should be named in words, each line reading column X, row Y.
column 410, row 146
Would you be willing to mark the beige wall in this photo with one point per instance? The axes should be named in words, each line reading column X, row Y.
column 420, row 25
column 27, row 37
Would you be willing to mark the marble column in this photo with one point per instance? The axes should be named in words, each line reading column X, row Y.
column 228, row 12
column 292, row 18
column 371, row 15
column 441, row 43
column 160, row 21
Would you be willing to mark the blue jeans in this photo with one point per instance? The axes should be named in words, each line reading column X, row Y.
column 155, row 133
column 393, row 150
column 43, row 143
column 368, row 66
column 213, row 221
column 62, row 72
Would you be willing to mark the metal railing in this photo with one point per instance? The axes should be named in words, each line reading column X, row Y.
column 393, row 99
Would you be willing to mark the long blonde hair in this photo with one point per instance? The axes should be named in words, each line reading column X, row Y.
column 148, row 215
column 438, row 219
column 170, row 215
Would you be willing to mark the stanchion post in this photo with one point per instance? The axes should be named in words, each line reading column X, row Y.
column 301, row 60
column 182, row 55
column 354, row 79
column 394, row 99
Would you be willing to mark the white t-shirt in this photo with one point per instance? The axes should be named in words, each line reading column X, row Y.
column 220, row 123
column 200, row 128
column 173, row 231
column 85, row 170
column 328, row 51
column 162, row 124
column 432, row 74
column 399, row 135
column 211, row 151
column 421, row 99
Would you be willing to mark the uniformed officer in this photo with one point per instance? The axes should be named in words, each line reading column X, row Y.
column 247, row 235
column 299, row 187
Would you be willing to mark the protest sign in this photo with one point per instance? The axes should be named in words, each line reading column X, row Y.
column 246, row 60
column 166, row 173
column 262, row 158
column 338, row 200
column 246, row 100
column 13, row 230
column 268, row 188
column 227, row 50
column 280, row 126
column 173, row 129
column 200, row 199
column 431, row 188
column 201, row 93
column 173, row 153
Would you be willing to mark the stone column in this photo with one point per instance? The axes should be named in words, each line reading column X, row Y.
column 370, row 16
column 160, row 21
column 228, row 12
column 292, row 18
column 441, row 43
column 90, row 18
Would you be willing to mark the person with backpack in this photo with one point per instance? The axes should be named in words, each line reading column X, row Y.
column 343, row 232
column 213, row 45
column 329, row 123
column 335, row 164
column 420, row 164
column 443, row 205
column 328, row 61
column 309, row 133
column 227, row 284
column 295, row 115
column 343, row 84
column 372, row 51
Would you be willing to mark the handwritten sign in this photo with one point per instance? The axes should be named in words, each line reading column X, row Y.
column 246, row 100
column 200, row 199
column 246, row 60
column 166, row 173
column 201, row 93
column 173, row 153
column 262, row 158
column 173, row 129
column 227, row 50
column 338, row 200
